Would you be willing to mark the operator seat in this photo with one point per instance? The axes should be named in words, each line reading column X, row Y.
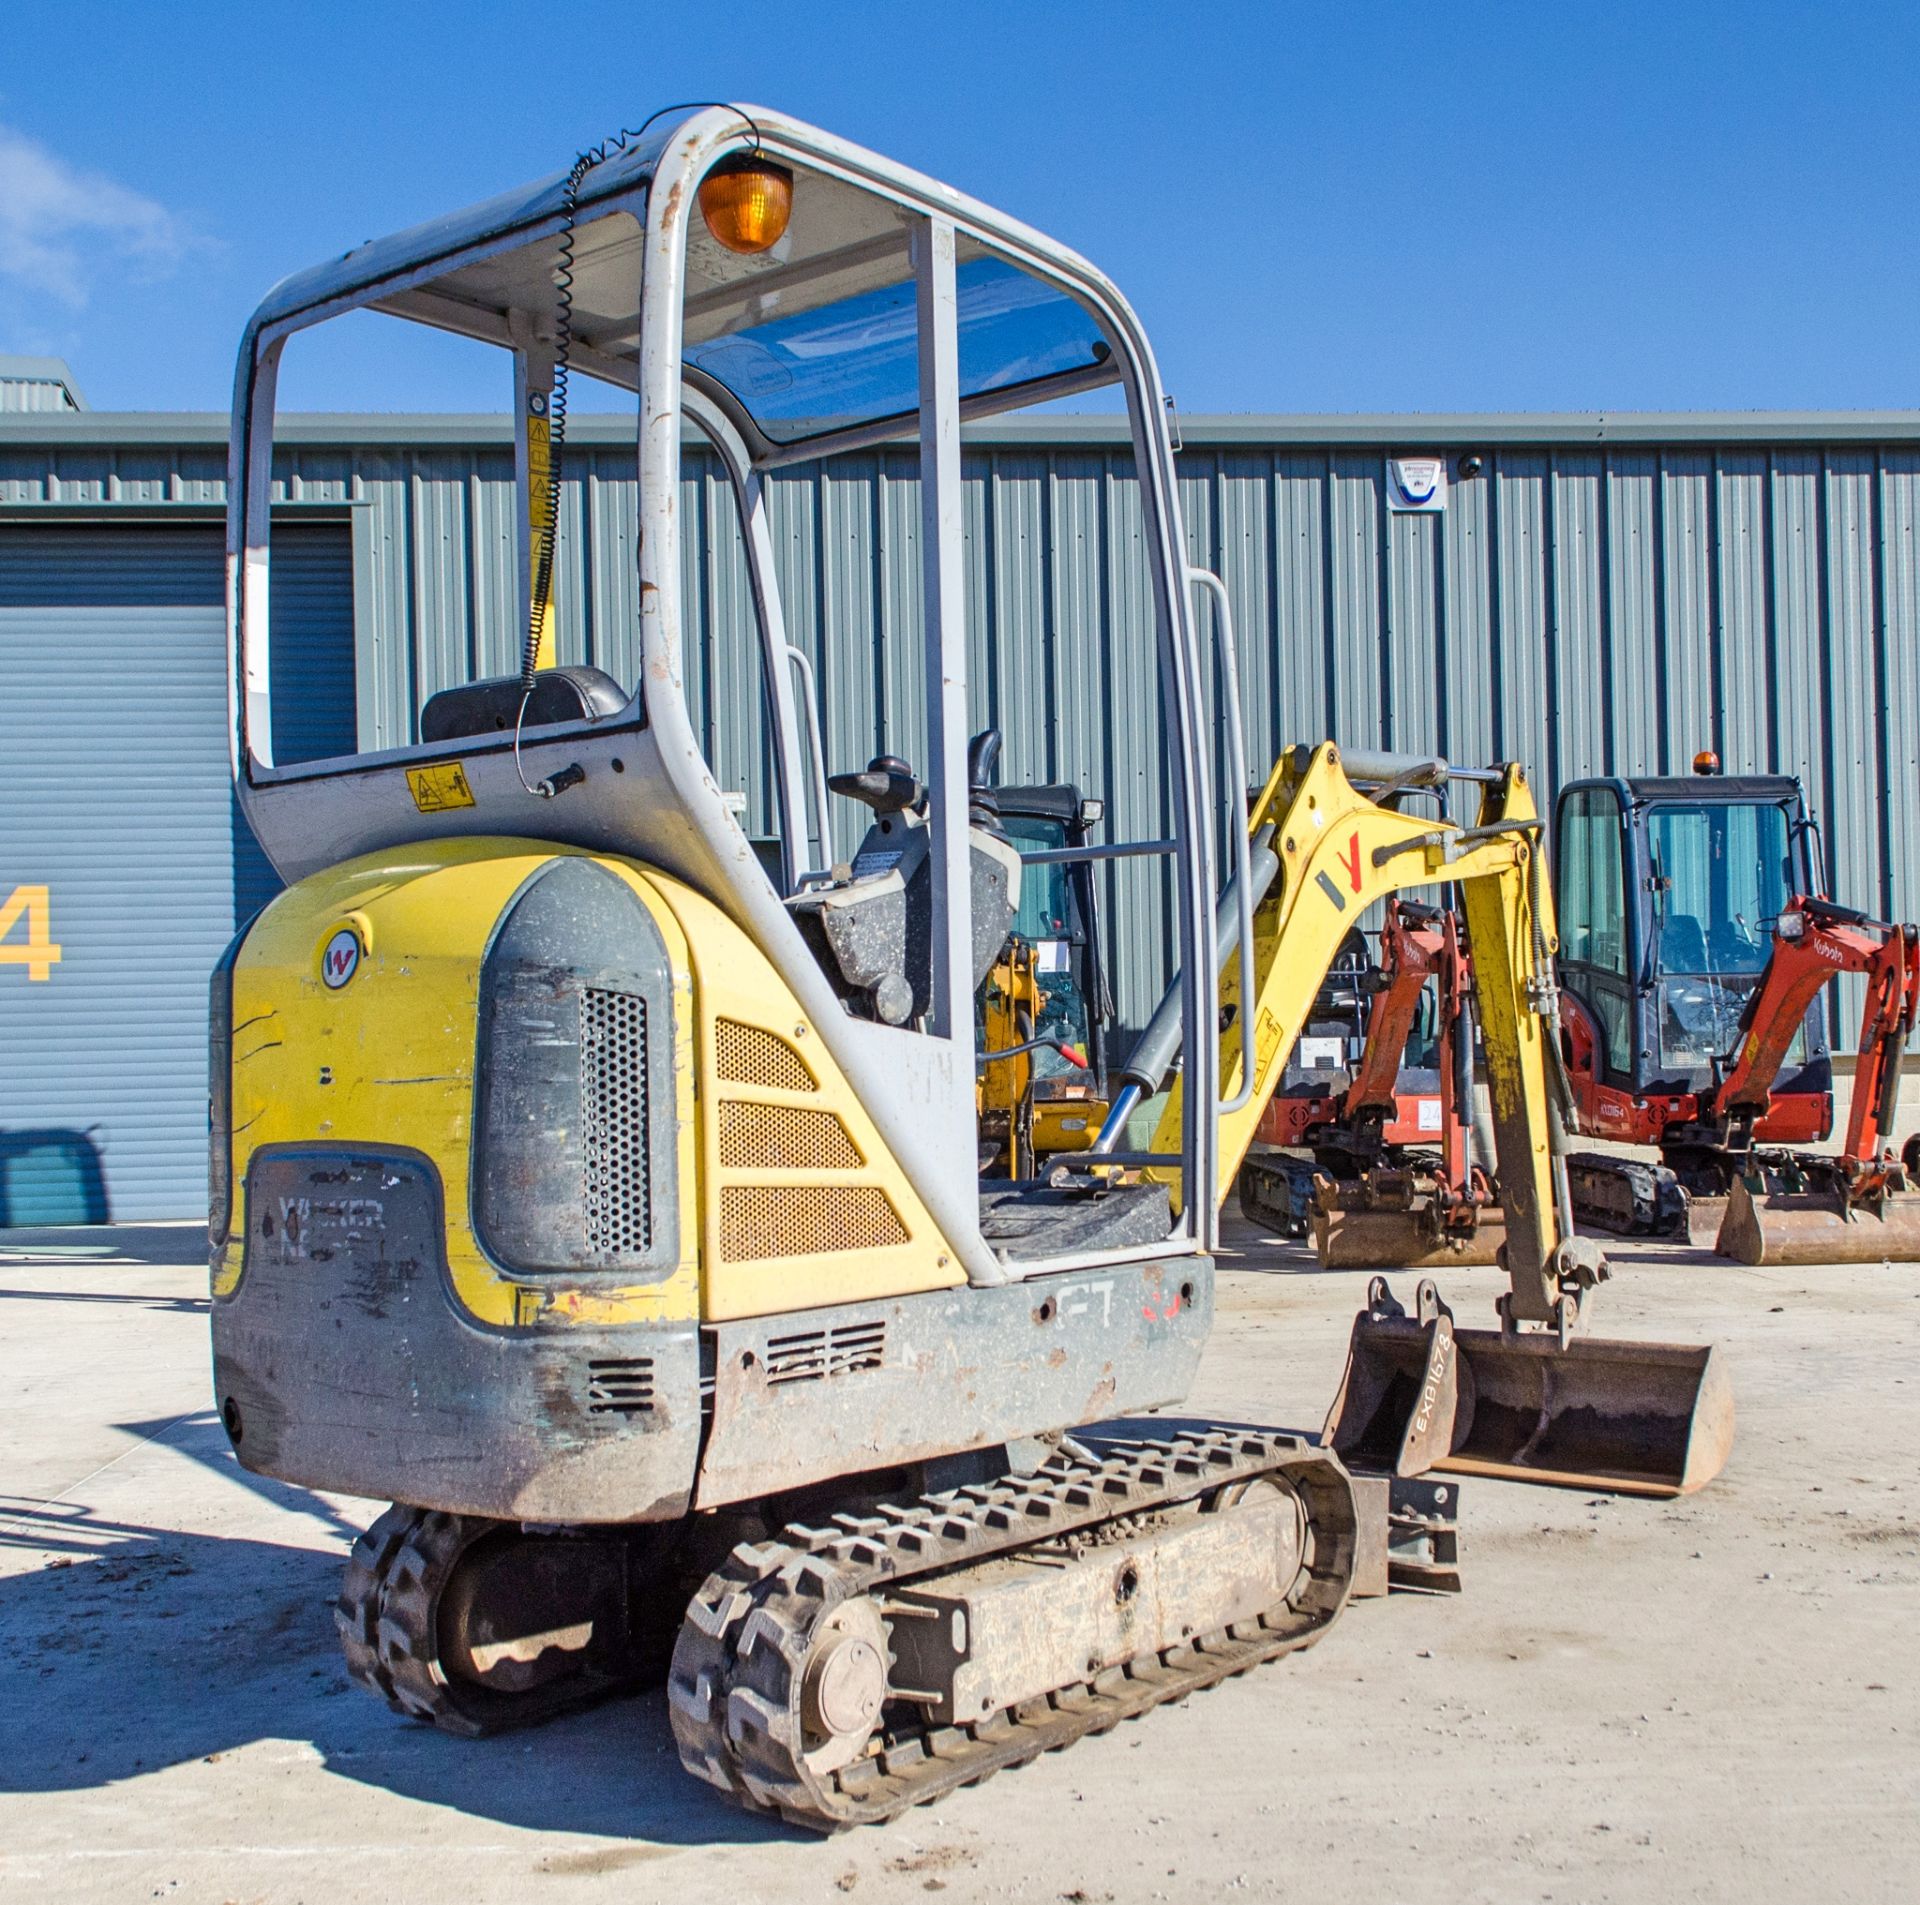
column 871, row 926
column 1683, row 946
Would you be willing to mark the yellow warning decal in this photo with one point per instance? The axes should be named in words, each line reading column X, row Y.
column 440, row 787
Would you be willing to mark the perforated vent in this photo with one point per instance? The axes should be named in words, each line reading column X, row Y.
column 810, row 1355
column 620, row 1387
column 613, row 1111
column 803, row 1220
column 783, row 1138
column 749, row 1056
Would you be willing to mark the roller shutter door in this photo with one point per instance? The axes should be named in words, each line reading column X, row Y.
column 114, row 797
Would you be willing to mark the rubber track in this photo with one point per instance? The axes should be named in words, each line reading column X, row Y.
column 1653, row 1194
column 1277, row 1194
column 733, row 1694
column 356, row 1614
column 387, row 1617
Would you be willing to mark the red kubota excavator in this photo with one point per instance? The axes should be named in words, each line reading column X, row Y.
column 1391, row 1180
column 1697, row 943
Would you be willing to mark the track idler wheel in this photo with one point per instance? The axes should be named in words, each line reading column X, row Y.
column 477, row 1627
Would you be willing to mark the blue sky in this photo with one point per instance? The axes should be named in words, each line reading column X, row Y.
column 1314, row 207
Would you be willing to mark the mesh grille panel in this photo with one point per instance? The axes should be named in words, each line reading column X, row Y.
column 613, row 1107
column 802, row 1220
column 749, row 1056
column 781, row 1138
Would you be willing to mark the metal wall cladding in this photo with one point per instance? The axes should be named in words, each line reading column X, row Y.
column 22, row 394
column 1580, row 610
column 1583, row 605
column 114, row 797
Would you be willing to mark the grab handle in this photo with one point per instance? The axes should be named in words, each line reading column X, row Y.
column 1206, row 580
column 822, row 821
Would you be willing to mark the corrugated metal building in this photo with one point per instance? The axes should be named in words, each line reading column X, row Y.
column 1598, row 594
column 38, row 384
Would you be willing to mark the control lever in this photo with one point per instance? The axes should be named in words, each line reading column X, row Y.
column 983, row 757
column 886, row 784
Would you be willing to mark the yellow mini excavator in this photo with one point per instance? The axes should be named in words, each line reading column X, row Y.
column 599, row 1185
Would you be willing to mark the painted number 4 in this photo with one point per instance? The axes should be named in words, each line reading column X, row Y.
column 25, row 911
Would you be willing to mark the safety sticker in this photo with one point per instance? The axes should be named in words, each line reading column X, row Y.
column 440, row 787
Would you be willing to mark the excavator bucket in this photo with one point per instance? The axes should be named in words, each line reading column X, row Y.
column 1624, row 1418
column 1397, row 1403
column 1355, row 1227
column 1806, row 1223
column 1705, row 1216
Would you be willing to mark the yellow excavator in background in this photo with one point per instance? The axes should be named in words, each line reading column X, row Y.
column 1640, row 1417
column 1390, row 1179
column 602, row 1192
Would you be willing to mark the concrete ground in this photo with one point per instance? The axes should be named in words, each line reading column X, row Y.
column 1708, row 1699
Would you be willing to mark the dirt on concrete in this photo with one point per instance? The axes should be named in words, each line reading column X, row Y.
column 1714, row 1698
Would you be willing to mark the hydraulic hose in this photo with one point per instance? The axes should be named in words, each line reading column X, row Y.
column 1158, row 1046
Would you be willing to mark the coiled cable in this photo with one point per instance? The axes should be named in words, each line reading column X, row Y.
column 546, row 544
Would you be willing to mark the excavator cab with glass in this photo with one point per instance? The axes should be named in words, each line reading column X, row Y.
column 1699, row 944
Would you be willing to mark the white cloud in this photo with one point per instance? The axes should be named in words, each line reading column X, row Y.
column 61, row 226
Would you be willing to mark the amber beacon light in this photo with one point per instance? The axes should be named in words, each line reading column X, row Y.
column 746, row 202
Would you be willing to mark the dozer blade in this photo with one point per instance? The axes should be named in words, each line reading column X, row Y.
column 1816, row 1226
column 1391, row 1221
column 1350, row 1238
column 1624, row 1418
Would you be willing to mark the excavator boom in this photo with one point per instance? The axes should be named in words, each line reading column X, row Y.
column 1375, row 1195
column 1858, row 1207
column 1560, row 1407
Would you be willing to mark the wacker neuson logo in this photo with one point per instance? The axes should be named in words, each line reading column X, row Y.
column 341, row 960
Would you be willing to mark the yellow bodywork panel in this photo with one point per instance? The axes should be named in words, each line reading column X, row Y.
column 802, row 1203
column 776, row 1213
column 1339, row 853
